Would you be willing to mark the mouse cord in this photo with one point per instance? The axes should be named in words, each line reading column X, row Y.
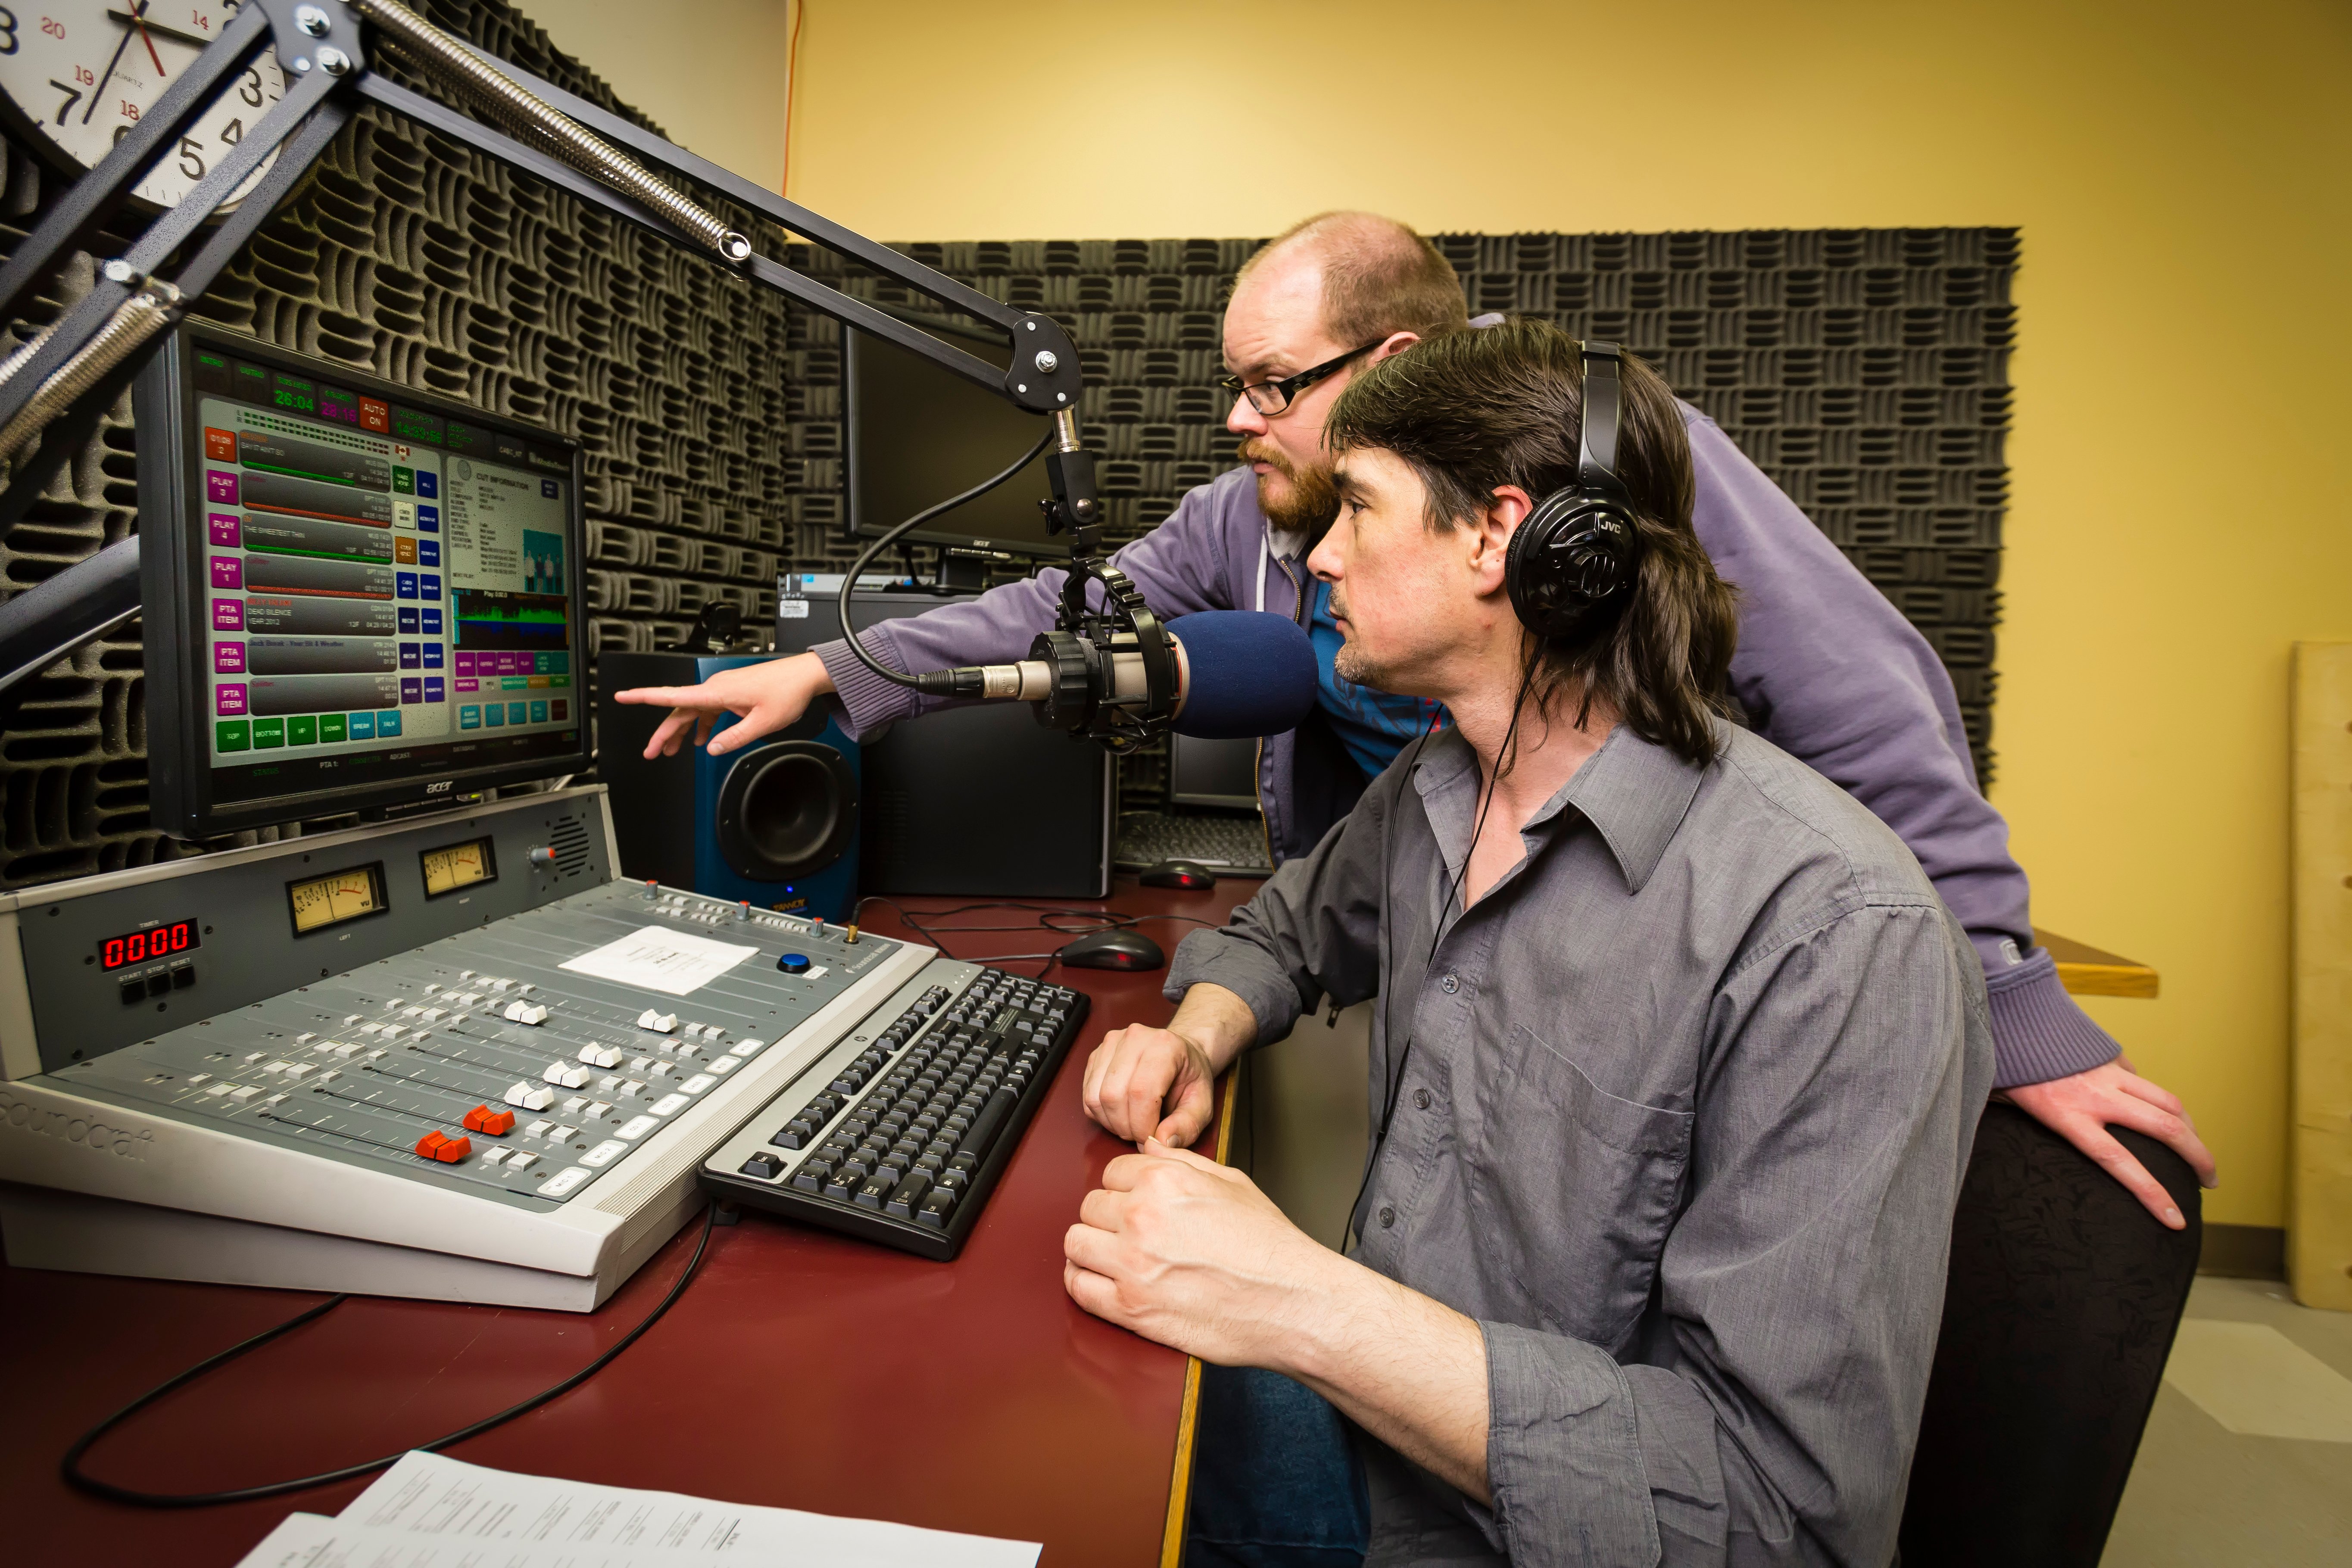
column 1100, row 921
column 81, row 1480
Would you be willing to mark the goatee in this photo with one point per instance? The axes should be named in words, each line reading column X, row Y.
column 1313, row 503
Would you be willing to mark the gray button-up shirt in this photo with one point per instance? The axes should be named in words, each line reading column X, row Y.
column 1687, row 1101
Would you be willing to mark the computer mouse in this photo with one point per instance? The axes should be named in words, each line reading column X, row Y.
column 1179, row 874
column 1113, row 949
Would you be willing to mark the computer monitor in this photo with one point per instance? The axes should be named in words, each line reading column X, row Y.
column 917, row 435
column 1212, row 772
column 357, row 597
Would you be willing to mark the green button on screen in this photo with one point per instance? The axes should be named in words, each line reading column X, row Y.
column 302, row 731
column 234, row 734
column 267, row 733
column 330, row 728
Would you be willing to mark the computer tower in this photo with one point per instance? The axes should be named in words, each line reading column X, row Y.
column 776, row 823
column 984, row 800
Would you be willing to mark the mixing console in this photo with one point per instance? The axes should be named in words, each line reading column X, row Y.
column 502, row 1090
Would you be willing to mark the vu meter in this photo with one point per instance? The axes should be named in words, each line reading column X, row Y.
column 457, row 866
column 340, row 896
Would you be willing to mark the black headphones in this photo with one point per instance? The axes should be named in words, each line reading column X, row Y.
column 1571, row 563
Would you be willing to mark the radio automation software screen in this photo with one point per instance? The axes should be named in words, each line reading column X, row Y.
column 387, row 587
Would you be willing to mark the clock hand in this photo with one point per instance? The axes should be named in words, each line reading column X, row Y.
column 100, row 91
column 146, row 38
column 161, row 29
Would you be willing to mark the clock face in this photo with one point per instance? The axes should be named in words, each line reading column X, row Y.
column 76, row 75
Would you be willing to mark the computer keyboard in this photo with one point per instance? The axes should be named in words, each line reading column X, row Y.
column 899, row 1134
column 1234, row 843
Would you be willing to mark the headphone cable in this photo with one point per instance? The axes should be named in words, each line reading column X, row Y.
column 1395, row 1081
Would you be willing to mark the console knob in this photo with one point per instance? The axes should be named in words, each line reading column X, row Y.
column 794, row 963
column 542, row 857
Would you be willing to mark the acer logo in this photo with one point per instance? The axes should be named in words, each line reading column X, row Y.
column 440, row 788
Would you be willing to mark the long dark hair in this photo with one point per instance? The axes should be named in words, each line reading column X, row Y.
column 1472, row 411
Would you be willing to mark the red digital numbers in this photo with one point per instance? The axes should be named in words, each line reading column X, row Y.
column 141, row 946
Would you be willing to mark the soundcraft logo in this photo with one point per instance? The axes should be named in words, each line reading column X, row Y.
column 101, row 1137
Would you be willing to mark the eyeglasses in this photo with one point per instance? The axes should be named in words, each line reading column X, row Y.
column 1271, row 397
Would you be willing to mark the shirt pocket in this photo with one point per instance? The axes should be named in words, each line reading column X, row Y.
column 1574, row 1192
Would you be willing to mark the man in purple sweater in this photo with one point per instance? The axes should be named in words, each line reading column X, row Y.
column 1826, row 668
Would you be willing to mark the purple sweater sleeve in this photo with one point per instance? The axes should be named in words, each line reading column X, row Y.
column 1832, row 674
column 1180, row 567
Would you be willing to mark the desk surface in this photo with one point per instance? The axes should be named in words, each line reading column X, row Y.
column 802, row 1369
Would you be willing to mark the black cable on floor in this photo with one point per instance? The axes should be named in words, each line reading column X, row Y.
column 81, row 1481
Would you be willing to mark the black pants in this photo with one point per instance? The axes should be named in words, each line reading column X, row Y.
column 2059, row 1314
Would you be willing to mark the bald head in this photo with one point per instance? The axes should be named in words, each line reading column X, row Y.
column 1375, row 276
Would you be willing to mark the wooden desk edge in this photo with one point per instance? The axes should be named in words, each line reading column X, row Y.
column 1179, row 1485
column 2087, row 971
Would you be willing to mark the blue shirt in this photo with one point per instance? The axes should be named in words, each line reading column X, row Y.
column 1374, row 725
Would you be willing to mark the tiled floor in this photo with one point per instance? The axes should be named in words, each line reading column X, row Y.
column 2248, row 1454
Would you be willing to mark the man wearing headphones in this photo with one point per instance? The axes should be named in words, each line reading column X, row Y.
column 1683, row 1054
column 1826, row 668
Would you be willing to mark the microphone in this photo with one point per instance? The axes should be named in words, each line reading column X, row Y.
column 1240, row 673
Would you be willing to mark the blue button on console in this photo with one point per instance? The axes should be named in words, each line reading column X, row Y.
column 794, row 963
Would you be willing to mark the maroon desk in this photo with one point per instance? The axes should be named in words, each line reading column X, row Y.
column 802, row 1369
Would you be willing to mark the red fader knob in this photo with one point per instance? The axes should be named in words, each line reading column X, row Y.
column 446, row 1150
column 492, row 1123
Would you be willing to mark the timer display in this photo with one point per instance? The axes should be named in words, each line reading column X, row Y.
column 147, row 945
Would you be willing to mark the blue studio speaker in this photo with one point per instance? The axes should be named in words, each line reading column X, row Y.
column 775, row 823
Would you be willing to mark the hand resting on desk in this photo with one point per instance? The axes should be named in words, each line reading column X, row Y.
column 1143, row 1082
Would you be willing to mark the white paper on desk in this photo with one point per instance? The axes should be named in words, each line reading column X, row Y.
column 313, row 1541
column 426, row 1495
column 652, row 959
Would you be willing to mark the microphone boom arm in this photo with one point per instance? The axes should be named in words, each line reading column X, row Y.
column 85, row 359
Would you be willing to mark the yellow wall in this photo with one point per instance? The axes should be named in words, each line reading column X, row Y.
column 2179, row 512
column 709, row 73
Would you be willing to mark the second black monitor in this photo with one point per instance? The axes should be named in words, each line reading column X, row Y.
column 917, row 433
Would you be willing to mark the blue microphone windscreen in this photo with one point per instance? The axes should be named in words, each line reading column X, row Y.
column 1253, row 673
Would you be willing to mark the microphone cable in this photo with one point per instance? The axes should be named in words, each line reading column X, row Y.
column 891, row 536
column 82, row 1482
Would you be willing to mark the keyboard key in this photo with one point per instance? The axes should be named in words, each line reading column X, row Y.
column 973, row 1145
column 936, row 1208
column 876, row 1191
column 909, row 1193
column 764, row 1165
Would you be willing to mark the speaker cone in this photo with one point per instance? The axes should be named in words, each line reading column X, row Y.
column 787, row 810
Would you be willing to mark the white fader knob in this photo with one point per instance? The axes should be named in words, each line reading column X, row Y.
column 564, row 1075
column 526, row 1013
column 660, row 1022
column 600, row 1056
column 530, row 1097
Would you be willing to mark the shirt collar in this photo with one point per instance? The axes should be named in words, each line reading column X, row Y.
column 1634, row 792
